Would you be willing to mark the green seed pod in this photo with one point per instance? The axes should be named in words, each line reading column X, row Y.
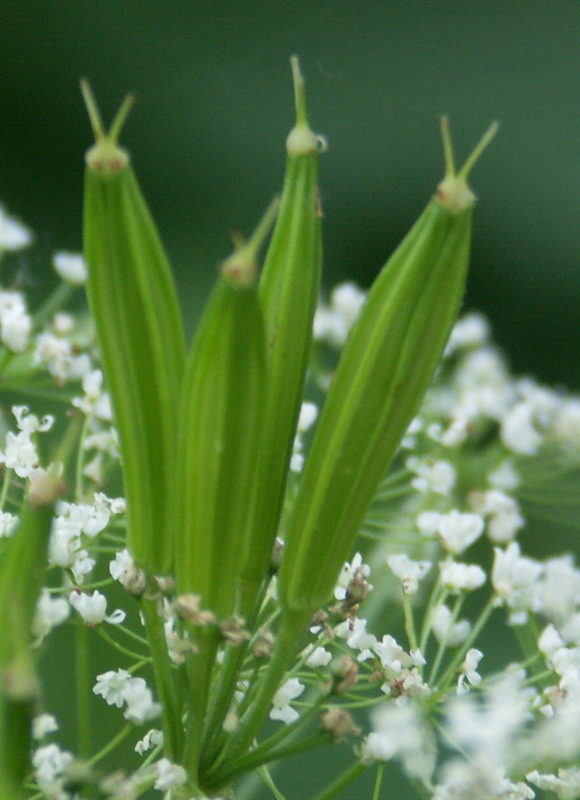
column 224, row 395
column 289, row 289
column 384, row 371
column 134, row 303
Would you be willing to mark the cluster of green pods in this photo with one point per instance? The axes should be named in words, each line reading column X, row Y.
column 206, row 435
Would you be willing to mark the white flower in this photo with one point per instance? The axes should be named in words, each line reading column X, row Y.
column 319, row 657
column 394, row 659
column 15, row 327
column 560, row 589
column 457, row 531
column 87, row 519
column 518, row 431
column 50, row 764
column 428, row 522
column 42, row 725
column 504, row 477
column 432, row 475
column 516, row 581
column 461, row 577
column 8, row 523
column 151, row 739
column 472, row 330
column 490, row 729
column 50, row 611
column 13, row 234
column 119, row 687
column 478, row 779
column 169, row 776
column 550, row 641
column 445, row 630
column 111, row 686
column 122, row 562
column 400, row 732
column 567, row 423
column 19, row 454
column 281, row 709
column 93, row 608
column 57, row 354
column 308, row 414
column 408, row 572
column 356, row 635
column 140, row 705
column 348, row 572
column 30, row 423
column 502, row 514
column 469, row 670
column 333, row 323
column 71, row 267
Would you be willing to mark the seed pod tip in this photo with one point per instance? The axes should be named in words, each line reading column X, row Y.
column 105, row 156
column 301, row 140
column 454, row 193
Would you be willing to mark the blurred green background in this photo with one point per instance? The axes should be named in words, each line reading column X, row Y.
column 214, row 107
column 215, row 104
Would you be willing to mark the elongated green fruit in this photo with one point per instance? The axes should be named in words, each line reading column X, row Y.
column 21, row 576
column 140, row 333
column 224, row 396
column 385, row 369
column 289, row 289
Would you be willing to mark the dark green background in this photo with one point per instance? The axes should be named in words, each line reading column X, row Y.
column 215, row 104
column 214, row 107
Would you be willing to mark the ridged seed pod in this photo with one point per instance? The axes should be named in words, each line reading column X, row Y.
column 289, row 290
column 140, row 335
column 386, row 366
column 221, row 418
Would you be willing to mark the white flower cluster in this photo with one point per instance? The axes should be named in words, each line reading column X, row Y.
column 119, row 688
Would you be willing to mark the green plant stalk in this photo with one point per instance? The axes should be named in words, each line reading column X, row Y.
column 385, row 369
column 287, row 640
column 83, row 689
column 344, row 780
column 133, row 300
column 164, row 680
column 256, row 759
column 261, row 752
column 21, row 576
column 199, row 670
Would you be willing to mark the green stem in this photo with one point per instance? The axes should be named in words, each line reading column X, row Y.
column 379, row 781
column 109, row 639
column 437, row 597
column 110, row 746
column 261, row 752
column 409, row 621
column 347, row 777
column 288, row 636
column 256, row 758
column 5, row 487
column 443, row 642
column 83, row 687
column 264, row 774
column 171, row 712
column 80, row 461
column 460, row 655
column 199, row 668
column 53, row 303
column 221, row 701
